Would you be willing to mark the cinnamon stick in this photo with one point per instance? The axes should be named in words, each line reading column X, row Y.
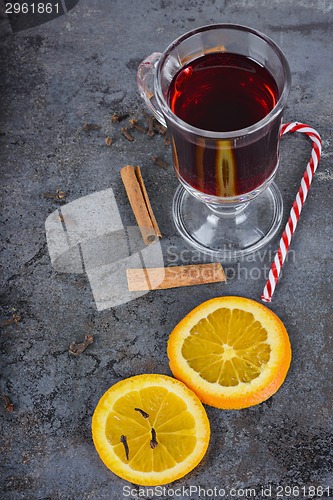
column 138, row 197
column 160, row 278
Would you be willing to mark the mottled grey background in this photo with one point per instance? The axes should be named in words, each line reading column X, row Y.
column 81, row 68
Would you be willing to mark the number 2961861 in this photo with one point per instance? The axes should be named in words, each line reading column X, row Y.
column 32, row 8
column 303, row 491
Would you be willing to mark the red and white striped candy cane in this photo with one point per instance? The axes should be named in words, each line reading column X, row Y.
column 297, row 206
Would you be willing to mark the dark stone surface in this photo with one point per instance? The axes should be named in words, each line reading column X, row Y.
column 81, row 68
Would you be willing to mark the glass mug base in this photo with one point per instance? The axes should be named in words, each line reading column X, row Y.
column 227, row 237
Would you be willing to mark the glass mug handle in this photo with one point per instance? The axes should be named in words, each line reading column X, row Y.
column 145, row 82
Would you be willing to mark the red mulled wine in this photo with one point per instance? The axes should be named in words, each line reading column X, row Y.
column 224, row 92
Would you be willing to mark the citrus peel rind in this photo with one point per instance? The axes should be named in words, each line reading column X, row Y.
column 233, row 352
column 155, row 449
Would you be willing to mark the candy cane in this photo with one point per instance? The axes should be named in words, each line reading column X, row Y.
column 297, row 206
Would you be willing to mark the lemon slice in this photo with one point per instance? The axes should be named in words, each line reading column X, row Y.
column 150, row 429
column 232, row 352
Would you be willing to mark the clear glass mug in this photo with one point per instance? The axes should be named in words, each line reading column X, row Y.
column 226, row 205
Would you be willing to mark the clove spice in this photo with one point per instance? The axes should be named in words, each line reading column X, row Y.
column 134, row 124
column 160, row 128
column 123, row 440
column 58, row 195
column 16, row 318
column 153, row 441
column 116, row 118
column 9, row 407
column 142, row 412
column 150, row 120
column 76, row 349
column 90, row 126
column 158, row 161
column 127, row 134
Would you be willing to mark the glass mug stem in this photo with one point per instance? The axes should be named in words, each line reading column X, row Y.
column 227, row 210
column 221, row 90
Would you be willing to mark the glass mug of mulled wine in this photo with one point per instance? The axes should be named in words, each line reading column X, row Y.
column 220, row 90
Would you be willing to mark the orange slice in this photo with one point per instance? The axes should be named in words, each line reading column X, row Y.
column 150, row 429
column 232, row 352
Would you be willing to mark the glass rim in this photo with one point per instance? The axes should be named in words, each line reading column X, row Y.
column 209, row 134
